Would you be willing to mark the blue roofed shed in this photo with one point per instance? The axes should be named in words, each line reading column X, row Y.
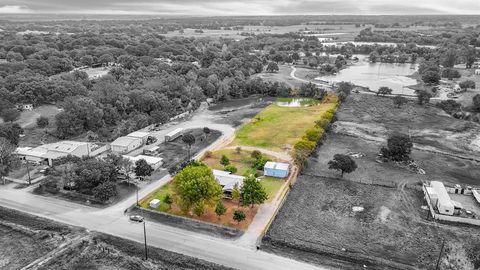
column 276, row 169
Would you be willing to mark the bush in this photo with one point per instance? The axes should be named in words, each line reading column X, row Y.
column 259, row 163
column 256, row 154
column 451, row 73
column 449, row 106
column 230, row 168
column 224, row 160
column 238, row 216
column 105, row 191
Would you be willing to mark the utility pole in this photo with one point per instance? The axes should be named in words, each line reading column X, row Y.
column 28, row 172
column 136, row 184
column 440, row 255
column 145, row 239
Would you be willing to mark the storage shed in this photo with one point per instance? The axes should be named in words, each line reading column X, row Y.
column 444, row 204
column 276, row 169
column 126, row 144
column 174, row 134
column 154, row 203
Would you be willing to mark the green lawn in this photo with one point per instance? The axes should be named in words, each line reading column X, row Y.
column 158, row 194
column 272, row 185
column 276, row 126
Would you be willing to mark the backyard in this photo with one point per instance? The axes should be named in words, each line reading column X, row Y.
column 279, row 128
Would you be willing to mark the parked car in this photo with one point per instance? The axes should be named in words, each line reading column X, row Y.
column 151, row 140
column 136, row 218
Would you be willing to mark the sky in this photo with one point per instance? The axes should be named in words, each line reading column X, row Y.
column 240, row 7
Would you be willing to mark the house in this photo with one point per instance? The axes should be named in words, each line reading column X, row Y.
column 155, row 162
column 140, row 135
column 48, row 152
column 444, row 204
column 27, row 107
column 227, row 181
column 172, row 135
column 125, row 144
column 276, row 169
column 477, row 71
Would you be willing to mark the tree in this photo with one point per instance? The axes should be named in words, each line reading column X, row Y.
column 236, row 194
column 207, row 132
column 220, row 209
column 105, row 191
column 431, row 77
column 450, row 106
column 230, row 168
column 423, row 97
column 189, row 140
column 6, row 157
column 239, row 216
column 224, row 160
column 399, row 147
column 9, row 114
column 342, row 163
column 476, row 103
column 344, row 87
column 322, row 123
column 272, row 67
column 168, row 200
column 295, row 57
column 142, row 168
column 399, row 101
column 42, row 122
column 11, row 132
column 252, row 191
column 467, row 84
column 384, row 91
column 196, row 186
column 449, row 58
column 238, row 149
column 160, row 116
column 256, row 154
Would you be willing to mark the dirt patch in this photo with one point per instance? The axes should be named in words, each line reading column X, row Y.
column 317, row 224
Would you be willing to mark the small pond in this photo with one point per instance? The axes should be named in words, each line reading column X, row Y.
column 296, row 102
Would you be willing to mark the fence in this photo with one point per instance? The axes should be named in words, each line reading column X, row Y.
column 454, row 219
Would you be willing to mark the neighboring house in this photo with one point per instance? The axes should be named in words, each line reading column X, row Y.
column 152, row 150
column 25, row 107
column 174, row 134
column 139, row 134
column 477, row 71
column 125, row 144
column 440, row 199
column 228, row 181
column 276, row 169
column 155, row 162
column 49, row 152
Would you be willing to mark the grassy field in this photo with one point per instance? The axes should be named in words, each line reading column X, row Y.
column 391, row 232
column 277, row 127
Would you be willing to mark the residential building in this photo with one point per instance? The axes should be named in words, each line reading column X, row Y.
column 228, row 181
column 140, row 135
column 276, row 169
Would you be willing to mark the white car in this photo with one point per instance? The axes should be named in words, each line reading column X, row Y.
column 136, row 218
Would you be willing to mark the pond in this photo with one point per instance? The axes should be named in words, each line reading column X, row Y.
column 375, row 75
column 360, row 43
column 296, row 102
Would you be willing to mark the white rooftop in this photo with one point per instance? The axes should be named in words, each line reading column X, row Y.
column 148, row 159
column 228, row 180
column 276, row 166
column 174, row 132
column 441, row 192
column 124, row 141
column 138, row 134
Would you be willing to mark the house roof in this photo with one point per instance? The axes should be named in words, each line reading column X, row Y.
column 63, row 146
column 149, row 159
column 138, row 134
column 124, row 141
column 174, row 132
column 228, row 180
column 441, row 193
column 276, row 166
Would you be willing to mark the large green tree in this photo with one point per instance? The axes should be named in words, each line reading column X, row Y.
column 342, row 163
column 252, row 192
column 195, row 186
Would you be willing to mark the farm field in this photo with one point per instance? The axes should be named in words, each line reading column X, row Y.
column 318, row 224
column 277, row 128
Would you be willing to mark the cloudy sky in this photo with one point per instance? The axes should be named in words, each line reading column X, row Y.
column 241, row 7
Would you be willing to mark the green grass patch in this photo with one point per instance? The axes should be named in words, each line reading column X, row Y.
column 272, row 185
column 277, row 126
column 158, row 194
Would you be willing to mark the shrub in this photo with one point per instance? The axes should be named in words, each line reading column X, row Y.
column 231, row 169
column 256, row 154
column 449, row 106
column 224, row 160
column 259, row 163
column 239, row 216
